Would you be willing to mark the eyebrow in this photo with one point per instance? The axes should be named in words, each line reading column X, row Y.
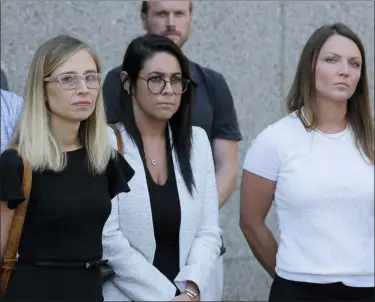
column 336, row 54
column 163, row 73
column 73, row 72
column 163, row 11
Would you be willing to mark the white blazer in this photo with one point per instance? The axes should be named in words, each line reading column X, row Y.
column 128, row 235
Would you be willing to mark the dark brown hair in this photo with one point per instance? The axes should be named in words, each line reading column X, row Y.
column 303, row 90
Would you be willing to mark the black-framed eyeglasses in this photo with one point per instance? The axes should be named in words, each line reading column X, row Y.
column 156, row 84
column 71, row 81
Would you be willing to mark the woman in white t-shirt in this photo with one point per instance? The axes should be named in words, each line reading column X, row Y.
column 317, row 164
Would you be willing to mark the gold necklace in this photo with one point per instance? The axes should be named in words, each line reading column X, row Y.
column 321, row 132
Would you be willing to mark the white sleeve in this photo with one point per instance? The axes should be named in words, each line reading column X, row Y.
column 263, row 157
column 18, row 106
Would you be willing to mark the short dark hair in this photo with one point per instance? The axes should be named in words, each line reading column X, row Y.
column 144, row 7
column 138, row 52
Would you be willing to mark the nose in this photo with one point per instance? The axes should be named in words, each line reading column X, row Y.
column 344, row 69
column 168, row 89
column 82, row 87
column 170, row 20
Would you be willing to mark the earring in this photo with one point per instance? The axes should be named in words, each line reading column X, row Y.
column 123, row 86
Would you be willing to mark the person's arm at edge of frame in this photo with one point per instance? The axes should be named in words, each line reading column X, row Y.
column 225, row 153
column 225, row 137
column 257, row 194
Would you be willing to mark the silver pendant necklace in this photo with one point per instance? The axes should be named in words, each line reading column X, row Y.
column 153, row 161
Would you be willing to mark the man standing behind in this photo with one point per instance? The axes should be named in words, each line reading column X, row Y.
column 212, row 104
column 11, row 105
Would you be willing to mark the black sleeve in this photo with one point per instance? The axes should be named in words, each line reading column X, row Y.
column 119, row 174
column 111, row 90
column 225, row 124
column 11, row 175
column 4, row 81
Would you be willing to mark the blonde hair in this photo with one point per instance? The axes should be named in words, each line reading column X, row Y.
column 33, row 134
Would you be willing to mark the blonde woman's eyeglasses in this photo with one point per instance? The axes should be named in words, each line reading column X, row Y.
column 70, row 81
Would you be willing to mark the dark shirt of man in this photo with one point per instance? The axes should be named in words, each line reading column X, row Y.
column 212, row 104
column 4, row 81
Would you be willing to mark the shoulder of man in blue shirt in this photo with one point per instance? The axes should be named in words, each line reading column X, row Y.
column 11, row 105
column 12, row 101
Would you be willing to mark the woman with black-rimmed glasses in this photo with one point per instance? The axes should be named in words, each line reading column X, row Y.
column 163, row 238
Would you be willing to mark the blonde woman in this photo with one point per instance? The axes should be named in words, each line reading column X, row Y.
column 75, row 174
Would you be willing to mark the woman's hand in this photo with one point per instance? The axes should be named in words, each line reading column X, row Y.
column 192, row 287
column 182, row 297
column 185, row 297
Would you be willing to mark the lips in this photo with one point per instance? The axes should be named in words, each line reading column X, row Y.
column 83, row 103
column 171, row 34
column 166, row 104
column 342, row 84
column 169, row 104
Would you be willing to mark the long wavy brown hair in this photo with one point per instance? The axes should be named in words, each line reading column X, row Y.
column 302, row 92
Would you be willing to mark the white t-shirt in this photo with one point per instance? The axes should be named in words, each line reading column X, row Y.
column 324, row 202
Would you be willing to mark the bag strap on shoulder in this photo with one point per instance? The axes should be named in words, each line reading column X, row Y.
column 120, row 143
column 10, row 255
